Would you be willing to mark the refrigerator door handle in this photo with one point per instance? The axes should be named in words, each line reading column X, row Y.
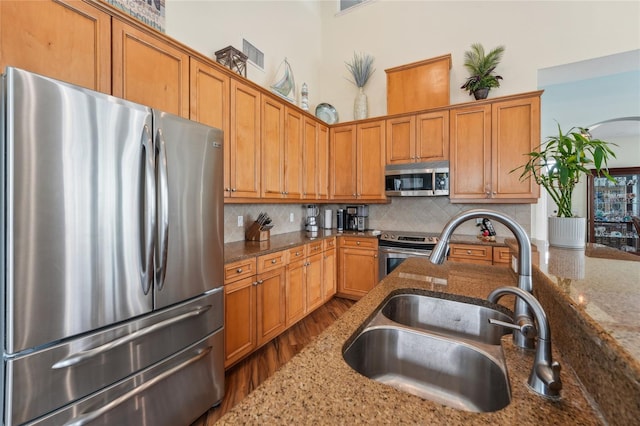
column 148, row 208
column 163, row 210
column 89, row 417
column 82, row 356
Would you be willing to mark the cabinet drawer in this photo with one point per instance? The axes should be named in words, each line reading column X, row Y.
column 466, row 252
column 297, row 253
column 272, row 261
column 314, row 247
column 239, row 269
column 371, row 243
column 501, row 256
column 329, row 243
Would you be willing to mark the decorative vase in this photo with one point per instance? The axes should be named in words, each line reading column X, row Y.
column 481, row 93
column 360, row 107
column 567, row 232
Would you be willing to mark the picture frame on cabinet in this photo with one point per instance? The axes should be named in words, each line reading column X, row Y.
column 151, row 12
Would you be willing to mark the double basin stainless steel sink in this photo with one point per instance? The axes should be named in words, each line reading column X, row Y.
column 438, row 349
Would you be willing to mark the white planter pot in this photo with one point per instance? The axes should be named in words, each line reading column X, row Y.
column 567, row 232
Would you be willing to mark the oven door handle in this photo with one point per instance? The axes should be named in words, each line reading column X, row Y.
column 391, row 250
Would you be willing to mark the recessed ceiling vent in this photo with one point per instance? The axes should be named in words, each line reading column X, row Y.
column 253, row 53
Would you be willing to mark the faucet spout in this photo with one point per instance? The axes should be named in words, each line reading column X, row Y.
column 545, row 374
column 521, row 310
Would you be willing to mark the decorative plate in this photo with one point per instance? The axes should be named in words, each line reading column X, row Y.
column 327, row 113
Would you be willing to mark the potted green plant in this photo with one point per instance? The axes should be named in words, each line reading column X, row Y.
column 361, row 69
column 557, row 165
column 481, row 67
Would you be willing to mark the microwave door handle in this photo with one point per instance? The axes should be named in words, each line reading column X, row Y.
column 163, row 210
column 147, row 205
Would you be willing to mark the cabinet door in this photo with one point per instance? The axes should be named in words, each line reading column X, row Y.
column 323, row 162
column 515, row 131
column 471, row 253
column 272, row 142
column 295, row 291
column 310, row 175
column 209, row 104
column 432, row 136
column 315, row 293
column 239, row 319
column 470, row 153
column 329, row 274
column 68, row 41
column 357, row 272
column 244, row 168
column 271, row 305
column 343, row 162
column 401, row 140
column 293, row 158
column 371, row 157
column 149, row 71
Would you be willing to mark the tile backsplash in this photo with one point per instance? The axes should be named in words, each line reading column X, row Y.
column 423, row 214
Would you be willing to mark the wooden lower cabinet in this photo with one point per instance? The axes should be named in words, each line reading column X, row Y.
column 357, row 266
column 315, row 293
column 240, row 337
column 270, row 301
column 296, row 294
column 479, row 254
column 254, row 306
column 329, row 278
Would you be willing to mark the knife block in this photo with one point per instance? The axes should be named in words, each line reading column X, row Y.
column 253, row 233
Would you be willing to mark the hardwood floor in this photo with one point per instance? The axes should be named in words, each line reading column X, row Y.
column 245, row 376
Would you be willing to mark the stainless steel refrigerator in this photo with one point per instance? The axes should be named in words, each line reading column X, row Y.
column 112, row 259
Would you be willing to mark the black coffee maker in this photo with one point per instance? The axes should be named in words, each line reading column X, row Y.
column 351, row 218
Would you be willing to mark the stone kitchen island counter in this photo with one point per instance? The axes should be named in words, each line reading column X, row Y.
column 318, row 387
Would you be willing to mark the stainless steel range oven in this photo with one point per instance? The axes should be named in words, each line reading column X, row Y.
column 396, row 246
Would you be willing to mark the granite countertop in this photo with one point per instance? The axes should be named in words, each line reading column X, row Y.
column 318, row 387
column 239, row 250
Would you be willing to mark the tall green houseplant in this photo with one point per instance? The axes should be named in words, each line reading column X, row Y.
column 562, row 160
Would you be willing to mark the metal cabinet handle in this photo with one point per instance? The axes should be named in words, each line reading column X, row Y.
column 358, row 243
column 87, row 418
column 468, row 251
column 79, row 357
column 239, row 270
column 274, row 261
column 254, row 283
column 233, row 190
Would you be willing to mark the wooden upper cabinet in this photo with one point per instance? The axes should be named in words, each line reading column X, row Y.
column 470, row 152
column 343, row 162
column 310, row 172
column 419, row 85
column 401, row 140
column 432, row 136
column 244, row 135
column 371, row 157
column 515, row 131
column 272, row 143
column 65, row 40
column 149, row 70
column 209, row 100
column 323, row 162
column 488, row 141
column 293, row 153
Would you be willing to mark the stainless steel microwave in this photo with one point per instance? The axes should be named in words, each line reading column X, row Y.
column 417, row 179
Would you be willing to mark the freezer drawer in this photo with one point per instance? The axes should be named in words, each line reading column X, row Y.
column 174, row 392
column 42, row 381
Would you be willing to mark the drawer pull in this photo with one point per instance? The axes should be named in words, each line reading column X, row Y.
column 468, row 251
column 358, row 243
column 274, row 261
column 239, row 270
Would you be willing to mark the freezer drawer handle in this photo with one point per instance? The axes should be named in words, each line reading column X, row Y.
column 83, row 356
column 87, row 418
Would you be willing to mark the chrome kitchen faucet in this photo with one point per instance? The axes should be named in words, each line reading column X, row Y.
column 523, row 317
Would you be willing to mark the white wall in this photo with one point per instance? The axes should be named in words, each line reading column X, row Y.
column 279, row 29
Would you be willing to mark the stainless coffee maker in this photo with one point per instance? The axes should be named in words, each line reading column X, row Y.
column 362, row 218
